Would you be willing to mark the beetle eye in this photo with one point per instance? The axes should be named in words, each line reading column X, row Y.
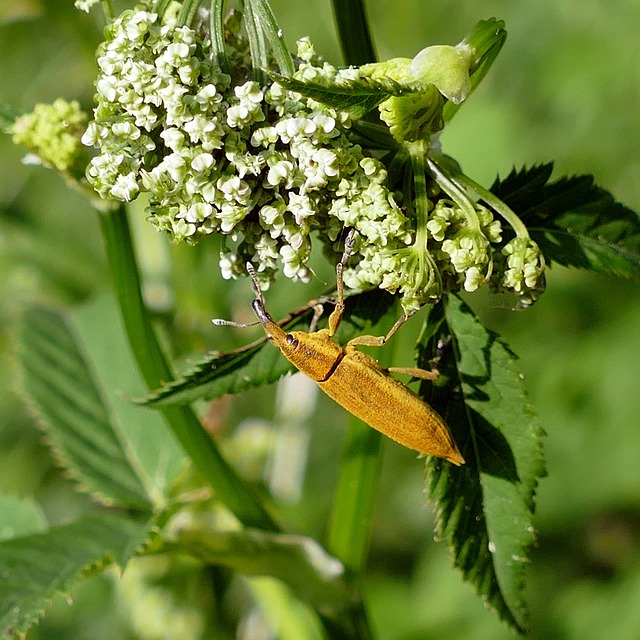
column 291, row 340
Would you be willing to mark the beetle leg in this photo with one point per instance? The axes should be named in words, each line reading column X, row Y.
column 336, row 314
column 318, row 310
column 378, row 341
column 423, row 374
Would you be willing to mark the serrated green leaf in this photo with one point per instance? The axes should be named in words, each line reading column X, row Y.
column 34, row 568
column 485, row 508
column 357, row 98
column 20, row 517
column 575, row 222
column 260, row 363
column 78, row 374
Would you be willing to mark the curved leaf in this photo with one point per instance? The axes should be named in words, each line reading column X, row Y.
column 298, row 561
column 575, row 222
column 357, row 97
column 36, row 567
column 485, row 508
column 76, row 372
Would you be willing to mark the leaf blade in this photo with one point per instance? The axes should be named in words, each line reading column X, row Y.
column 74, row 371
column 575, row 222
column 485, row 508
column 36, row 567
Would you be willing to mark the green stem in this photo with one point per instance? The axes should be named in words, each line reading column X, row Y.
column 353, row 31
column 451, row 186
column 496, row 204
column 155, row 370
column 216, row 29
column 417, row 152
column 350, row 525
column 107, row 9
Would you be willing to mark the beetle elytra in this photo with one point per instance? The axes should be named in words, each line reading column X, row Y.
column 357, row 382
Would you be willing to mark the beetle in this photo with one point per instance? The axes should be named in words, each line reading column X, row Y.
column 356, row 381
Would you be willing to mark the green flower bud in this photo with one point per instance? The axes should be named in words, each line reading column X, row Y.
column 446, row 67
column 416, row 116
column 53, row 132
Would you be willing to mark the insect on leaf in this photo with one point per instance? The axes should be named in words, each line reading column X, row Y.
column 260, row 363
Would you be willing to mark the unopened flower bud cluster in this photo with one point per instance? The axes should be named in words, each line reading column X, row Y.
column 264, row 168
column 52, row 132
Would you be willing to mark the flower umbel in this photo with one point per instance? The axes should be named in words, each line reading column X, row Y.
column 267, row 168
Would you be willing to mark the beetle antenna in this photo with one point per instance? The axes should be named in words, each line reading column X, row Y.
column 221, row 322
column 349, row 244
column 255, row 284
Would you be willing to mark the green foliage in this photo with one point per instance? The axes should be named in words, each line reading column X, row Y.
column 75, row 371
column 298, row 561
column 485, row 508
column 79, row 379
column 35, row 567
column 356, row 98
column 575, row 222
column 20, row 517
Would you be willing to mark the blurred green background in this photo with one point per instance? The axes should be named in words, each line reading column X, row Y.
column 566, row 88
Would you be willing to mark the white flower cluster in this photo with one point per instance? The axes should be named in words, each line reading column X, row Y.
column 522, row 270
column 463, row 246
column 263, row 168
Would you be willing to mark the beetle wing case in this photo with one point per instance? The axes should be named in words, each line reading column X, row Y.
column 363, row 388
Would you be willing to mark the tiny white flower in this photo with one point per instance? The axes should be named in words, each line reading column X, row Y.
column 125, row 188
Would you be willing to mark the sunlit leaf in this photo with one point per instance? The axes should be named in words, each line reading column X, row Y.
column 298, row 561
column 357, row 98
column 485, row 508
column 20, row 517
column 77, row 373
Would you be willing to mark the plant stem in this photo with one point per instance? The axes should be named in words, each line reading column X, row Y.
column 496, row 204
column 155, row 370
column 350, row 525
column 353, row 31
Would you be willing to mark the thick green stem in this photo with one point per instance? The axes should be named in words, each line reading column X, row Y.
column 451, row 186
column 155, row 370
column 354, row 503
column 107, row 9
column 417, row 152
column 353, row 31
